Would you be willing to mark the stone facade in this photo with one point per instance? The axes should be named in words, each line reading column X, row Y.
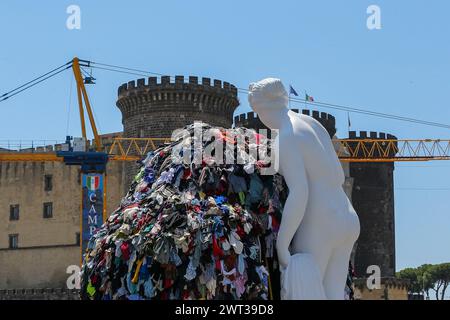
column 251, row 120
column 40, row 294
column 373, row 200
column 46, row 246
column 156, row 108
column 390, row 289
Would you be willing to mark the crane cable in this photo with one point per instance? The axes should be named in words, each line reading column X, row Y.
column 70, row 106
column 126, row 68
column 35, row 81
column 138, row 72
column 371, row 113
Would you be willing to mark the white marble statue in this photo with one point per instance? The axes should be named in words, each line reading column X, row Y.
column 319, row 225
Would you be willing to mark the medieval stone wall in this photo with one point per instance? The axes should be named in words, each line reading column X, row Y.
column 373, row 200
column 46, row 246
column 154, row 109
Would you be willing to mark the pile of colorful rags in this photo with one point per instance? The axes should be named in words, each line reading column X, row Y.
column 189, row 232
column 349, row 286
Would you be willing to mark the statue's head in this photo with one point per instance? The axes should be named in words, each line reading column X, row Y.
column 267, row 94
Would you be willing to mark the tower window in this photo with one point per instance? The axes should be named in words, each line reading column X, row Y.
column 13, row 241
column 14, row 212
column 48, row 210
column 77, row 238
column 48, row 182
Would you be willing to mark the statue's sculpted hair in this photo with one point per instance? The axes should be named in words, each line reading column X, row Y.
column 270, row 90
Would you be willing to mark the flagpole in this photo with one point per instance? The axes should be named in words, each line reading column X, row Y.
column 289, row 96
column 349, row 123
column 306, row 104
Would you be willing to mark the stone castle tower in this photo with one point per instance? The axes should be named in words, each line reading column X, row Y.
column 373, row 200
column 251, row 120
column 156, row 108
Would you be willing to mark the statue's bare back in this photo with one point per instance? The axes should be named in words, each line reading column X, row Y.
column 318, row 219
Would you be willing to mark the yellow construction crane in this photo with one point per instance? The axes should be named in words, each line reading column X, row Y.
column 81, row 91
column 352, row 150
column 132, row 149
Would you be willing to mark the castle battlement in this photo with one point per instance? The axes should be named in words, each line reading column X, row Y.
column 380, row 149
column 179, row 83
column 186, row 94
column 371, row 135
column 251, row 120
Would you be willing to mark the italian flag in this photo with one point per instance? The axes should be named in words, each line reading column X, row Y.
column 92, row 182
column 309, row 98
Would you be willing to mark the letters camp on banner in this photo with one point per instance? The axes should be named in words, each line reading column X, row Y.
column 92, row 207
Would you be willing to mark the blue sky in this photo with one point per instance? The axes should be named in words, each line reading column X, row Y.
column 323, row 47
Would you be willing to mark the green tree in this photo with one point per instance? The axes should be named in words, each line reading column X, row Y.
column 428, row 277
column 411, row 274
column 425, row 279
column 440, row 275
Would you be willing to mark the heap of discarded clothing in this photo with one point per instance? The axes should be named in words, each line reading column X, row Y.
column 349, row 289
column 189, row 231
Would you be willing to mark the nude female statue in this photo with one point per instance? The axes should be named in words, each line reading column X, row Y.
column 319, row 225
